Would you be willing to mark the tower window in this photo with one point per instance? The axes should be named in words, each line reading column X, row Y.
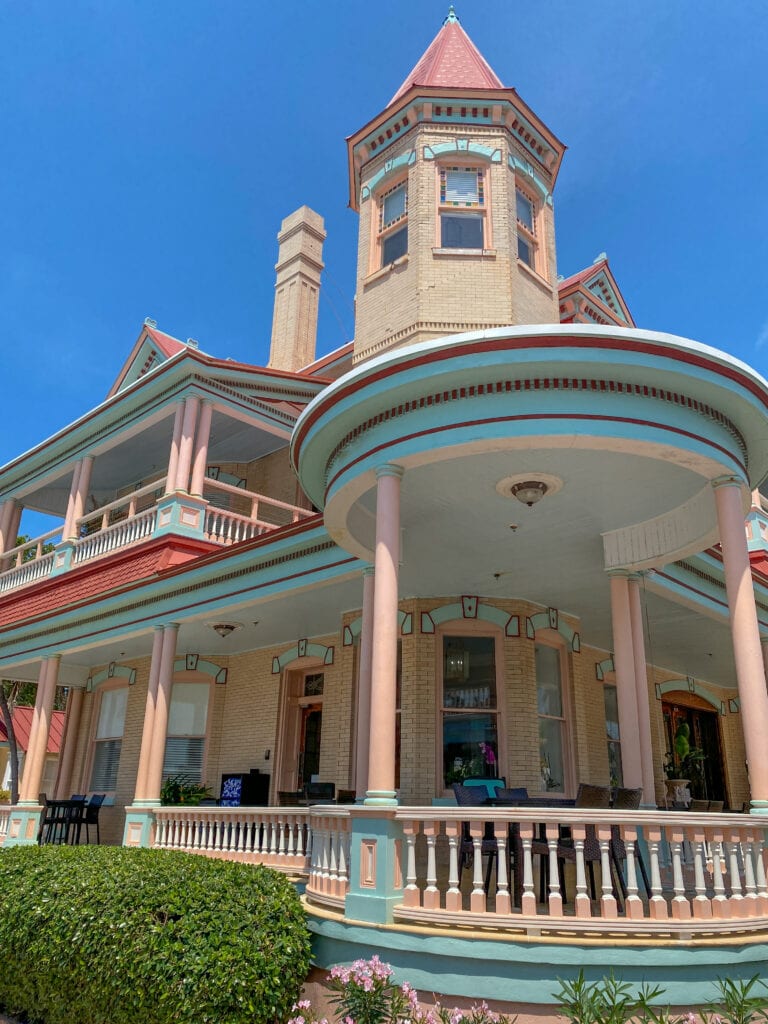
column 393, row 223
column 527, row 241
column 462, row 208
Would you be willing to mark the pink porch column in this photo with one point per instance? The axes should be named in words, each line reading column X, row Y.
column 747, row 652
column 201, row 449
column 7, row 535
column 69, row 743
column 186, row 445
column 381, row 752
column 69, row 519
column 641, row 687
column 160, row 719
column 39, row 730
column 173, row 460
column 626, row 689
column 764, row 645
column 364, row 687
column 142, row 771
column 81, row 492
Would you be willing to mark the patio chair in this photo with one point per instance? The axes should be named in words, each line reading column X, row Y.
column 626, row 800
column 475, row 796
column 597, row 797
column 491, row 784
column 91, row 816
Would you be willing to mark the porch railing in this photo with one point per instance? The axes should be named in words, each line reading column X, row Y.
column 5, row 814
column 328, row 880
column 234, row 514
column 277, row 837
column 119, row 524
column 28, row 562
column 706, row 872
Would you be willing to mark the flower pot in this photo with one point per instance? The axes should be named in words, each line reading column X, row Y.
column 678, row 791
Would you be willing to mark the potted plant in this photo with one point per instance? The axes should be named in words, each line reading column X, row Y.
column 683, row 766
column 5, row 796
column 182, row 790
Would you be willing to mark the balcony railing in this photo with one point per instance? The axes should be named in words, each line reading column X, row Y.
column 5, row 813
column 131, row 519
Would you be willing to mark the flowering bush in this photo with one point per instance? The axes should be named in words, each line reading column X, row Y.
column 365, row 994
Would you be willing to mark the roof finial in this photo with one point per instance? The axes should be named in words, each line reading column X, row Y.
column 451, row 19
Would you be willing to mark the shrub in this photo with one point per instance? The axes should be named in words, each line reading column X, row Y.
column 115, row 936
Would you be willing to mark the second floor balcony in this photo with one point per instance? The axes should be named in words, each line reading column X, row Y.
column 226, row 514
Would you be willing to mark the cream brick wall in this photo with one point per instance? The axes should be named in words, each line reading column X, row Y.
column 245, row 713
column 271, row 475
column 432, row 294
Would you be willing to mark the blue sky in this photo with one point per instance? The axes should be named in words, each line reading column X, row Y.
column 152, row 147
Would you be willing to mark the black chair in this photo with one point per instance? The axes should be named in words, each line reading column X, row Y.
column 626, row 800
column 598, row 797
column 475, row 796
column 321, row 792
column 290, row 797
column 91, row 816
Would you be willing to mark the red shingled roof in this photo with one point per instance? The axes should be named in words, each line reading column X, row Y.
column 452, row 61
column 99, row 577
column 168, row 346
column 22, row 724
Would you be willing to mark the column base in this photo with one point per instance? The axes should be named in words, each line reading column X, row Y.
column 758, row 806
column 380, row 798
column 375, row 872
column 23, row 824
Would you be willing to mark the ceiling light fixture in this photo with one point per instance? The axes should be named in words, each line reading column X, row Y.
column 529, row 492
column 225, row 628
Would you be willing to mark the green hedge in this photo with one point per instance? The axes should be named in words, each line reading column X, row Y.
column 106, row 935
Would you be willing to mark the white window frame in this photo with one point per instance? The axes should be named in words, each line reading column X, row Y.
column 456, row 207
column 566, row 784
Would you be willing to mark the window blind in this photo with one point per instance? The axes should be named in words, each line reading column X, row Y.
column 461, row 187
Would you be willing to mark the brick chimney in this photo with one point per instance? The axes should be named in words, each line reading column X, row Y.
column 297, row 290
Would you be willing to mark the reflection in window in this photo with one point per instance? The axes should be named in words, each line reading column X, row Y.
column 470, row 708
column 462, row 207
column 549, row 696
column 393, row 224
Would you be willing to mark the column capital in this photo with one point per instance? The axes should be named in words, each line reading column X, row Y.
column 389, row 469
column 635, row 576
column 368, row 571
column 728, row 480
column 621, row 574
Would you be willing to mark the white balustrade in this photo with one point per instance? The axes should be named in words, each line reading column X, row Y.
column 277, row 837
column 698, row 867
column 328, row 880
column 113, row 538
column 28, row 562
column 5, row 814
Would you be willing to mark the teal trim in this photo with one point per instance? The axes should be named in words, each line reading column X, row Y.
column 532, row 177
column 174, row 515
column 593, row 286
column 550, row 619
column 693, row 686
column 23, row 825
column 354, row 628
column 375, row 858
column 389, row 170
column 137, row 831
column 518, row 971
column 63, row 559
column 112, row 671
column 604, row 666
column 470, row 608
column 459, row 146
column 302, row 649
column 194, row 663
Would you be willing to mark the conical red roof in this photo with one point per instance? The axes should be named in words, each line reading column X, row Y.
column 453, row 61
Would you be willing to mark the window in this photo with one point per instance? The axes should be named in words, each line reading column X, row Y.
column 462, row 208
column 551, row 711
column 108, row 740
column 469, row 708
column 613, row 738
column 527, row 242
column 187, row 728
column 393, row 223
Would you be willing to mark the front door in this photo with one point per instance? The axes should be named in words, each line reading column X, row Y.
column 704, row 729
column 309, row 743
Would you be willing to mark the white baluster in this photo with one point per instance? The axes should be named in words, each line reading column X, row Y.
column 411, row 892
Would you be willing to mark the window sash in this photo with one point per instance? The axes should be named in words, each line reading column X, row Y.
column 394, row 206
column 526, row 212
column 188, row 715
column 112, row 707
column 184, row 756
column 106, row 762
column 394, row 246
column 462, row 230
column 461, row 186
